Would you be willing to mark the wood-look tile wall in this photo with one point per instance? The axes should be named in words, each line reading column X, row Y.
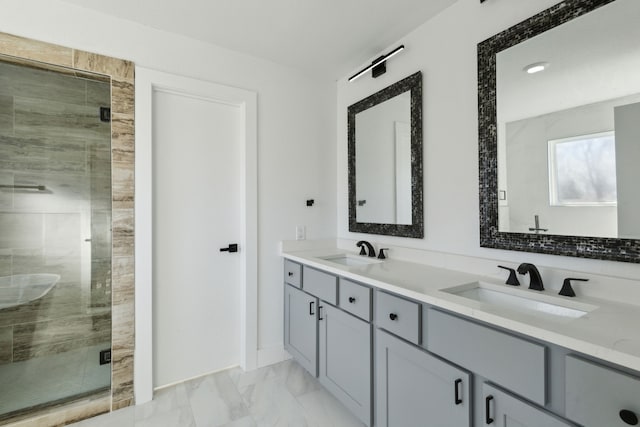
column 121, row 75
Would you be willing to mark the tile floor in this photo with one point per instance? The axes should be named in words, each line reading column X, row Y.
column 279, row 395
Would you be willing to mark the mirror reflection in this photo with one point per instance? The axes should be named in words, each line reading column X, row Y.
column 383, row 162
column 568, row 127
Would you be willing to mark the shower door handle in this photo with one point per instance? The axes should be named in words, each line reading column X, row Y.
column 233, row 247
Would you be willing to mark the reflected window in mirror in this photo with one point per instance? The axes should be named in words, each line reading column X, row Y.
column 385, row 161
column 559, row 148
column 582, row 171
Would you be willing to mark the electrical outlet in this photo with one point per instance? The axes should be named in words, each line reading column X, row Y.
column 301, row 233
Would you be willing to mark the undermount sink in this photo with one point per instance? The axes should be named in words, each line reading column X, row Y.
column 350, row 260
column 520, row 299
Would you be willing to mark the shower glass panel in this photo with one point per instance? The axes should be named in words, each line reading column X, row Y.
column 55, row 236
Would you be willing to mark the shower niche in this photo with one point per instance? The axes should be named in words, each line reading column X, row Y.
column 66, row 231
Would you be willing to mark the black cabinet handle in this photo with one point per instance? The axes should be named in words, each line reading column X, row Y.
column 629, row 417
column 290, row 273
column 320, row 313
column 456, row 386
column 487, row 410
column 352, row 300
column 311, row 312
column 393, row 316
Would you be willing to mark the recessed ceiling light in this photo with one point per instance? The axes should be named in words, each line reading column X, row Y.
column 536, row 67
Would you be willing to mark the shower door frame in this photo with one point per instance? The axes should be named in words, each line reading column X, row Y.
column 121, row 75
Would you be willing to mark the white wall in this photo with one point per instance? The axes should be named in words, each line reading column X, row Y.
column 296, row 125
column 445, row 50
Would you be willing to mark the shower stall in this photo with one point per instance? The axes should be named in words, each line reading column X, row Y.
column 55, row 236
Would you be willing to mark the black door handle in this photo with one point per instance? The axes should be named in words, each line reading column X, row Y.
column 233, row 247
column 311, row 312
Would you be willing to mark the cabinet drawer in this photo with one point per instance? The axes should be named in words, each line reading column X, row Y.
column 398, row 316
column 322, row 285
column 292, row 273
column 355, row 298
column 512, row 362
column 597, row 396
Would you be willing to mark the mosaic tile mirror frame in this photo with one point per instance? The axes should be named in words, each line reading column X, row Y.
column 604, row 248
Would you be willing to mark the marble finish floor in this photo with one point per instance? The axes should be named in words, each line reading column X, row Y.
column 280, row 395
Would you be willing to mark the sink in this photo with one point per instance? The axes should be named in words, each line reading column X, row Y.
column 350, row 260
column 520, row 299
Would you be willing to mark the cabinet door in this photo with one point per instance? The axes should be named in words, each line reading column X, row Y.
column 300, row 328
column 599, row 396
column 345, row 359
column 504, row 410
column 414, row 388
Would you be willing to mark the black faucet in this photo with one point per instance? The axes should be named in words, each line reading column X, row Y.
column 567, row 290
column 371, row 251
column 513, row 279
column 535, row 281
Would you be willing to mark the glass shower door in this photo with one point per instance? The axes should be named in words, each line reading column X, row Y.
column 55, row 236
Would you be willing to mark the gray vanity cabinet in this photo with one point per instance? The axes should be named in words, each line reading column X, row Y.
column 345, row 359
column 329, row 342
column 501, row 409
column 414, row 388
column 600, row 396
column 301, row 328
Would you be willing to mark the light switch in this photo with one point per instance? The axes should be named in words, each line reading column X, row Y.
column 301, row 233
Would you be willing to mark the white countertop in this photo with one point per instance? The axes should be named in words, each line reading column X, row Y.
column 611, row 332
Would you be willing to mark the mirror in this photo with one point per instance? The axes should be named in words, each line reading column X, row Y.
column 559, row 148
column 385, row 161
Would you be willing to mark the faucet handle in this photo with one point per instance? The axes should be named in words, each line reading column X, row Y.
column 362, row 250
column 381, row 254
column 512, row 279
column 567, row 290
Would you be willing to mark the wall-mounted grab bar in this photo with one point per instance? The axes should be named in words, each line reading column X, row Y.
column 25, row 187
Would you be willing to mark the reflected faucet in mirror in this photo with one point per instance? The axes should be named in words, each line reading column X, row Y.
column 537, row 229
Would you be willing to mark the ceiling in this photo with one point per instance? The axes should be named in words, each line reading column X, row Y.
column 593, row 58
column 328, row 37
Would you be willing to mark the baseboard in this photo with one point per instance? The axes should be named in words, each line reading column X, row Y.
column 272, row 355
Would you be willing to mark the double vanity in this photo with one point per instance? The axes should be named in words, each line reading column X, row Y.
column 406, row 344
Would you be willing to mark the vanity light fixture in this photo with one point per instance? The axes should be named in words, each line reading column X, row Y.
column 536, row 67
column 378, row 66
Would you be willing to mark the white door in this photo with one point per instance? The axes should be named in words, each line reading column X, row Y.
column 196, row 211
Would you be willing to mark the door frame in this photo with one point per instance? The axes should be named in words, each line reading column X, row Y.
column 147, row 82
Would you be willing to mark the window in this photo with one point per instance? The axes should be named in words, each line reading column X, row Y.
column 582, row 170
